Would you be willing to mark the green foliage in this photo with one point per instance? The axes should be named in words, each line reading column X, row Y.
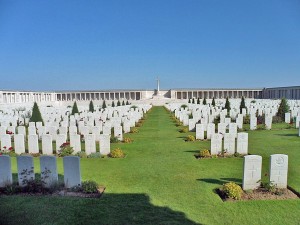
column 133, row 107
column 204, row 153
column 113, row 104
column 127, row 103
column 204, row 101
column 74, row 109
column 246, row 119
column 269, row 186
column 277, row 119
column 283, row 108
column 91, row 107
column 261, row 127
column 227, row 105
column 117, row 153
column 184, row 106
column 198, row 101
column 36, row 114
column 242, row 105
column 114, row 139
column 232, row 190
column 118, row 103
column 127, row 140
column 104, row 105
column 213, row 103
column 89, row 186
column 134, row 130
column 65, row 150
column 189, row 100
column 95, row 155
column 123, row 103
column 190, row 138
column 81, row 154
column 184, row 130
column 193, row 101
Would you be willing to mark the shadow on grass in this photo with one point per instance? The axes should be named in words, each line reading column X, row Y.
column 220, row 181
column 288, row 135
column 109, row 209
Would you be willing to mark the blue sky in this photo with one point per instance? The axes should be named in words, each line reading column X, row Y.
column 89, row 44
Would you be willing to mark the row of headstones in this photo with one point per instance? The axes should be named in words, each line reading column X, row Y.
column 253, row 167
column 230, row 146
column 210, row 130
column 47, row 143
column 48, row 168
column 118, row 130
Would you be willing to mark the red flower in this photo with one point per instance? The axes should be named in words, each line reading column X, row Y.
column 4, row 147
column 10, row 148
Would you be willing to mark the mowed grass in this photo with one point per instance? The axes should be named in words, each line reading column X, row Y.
column 160, row 182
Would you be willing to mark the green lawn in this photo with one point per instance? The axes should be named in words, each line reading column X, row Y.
column 160, row 182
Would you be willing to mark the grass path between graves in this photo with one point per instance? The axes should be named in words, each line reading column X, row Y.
column 160, row 182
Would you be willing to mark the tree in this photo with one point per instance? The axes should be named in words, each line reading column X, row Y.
column 213, row 103
column 103, row 105
column 227, row 105
column 118, row 103
column 127, row 103
column 123, row 103
column 189, row 100
column 198, row 101
column 283, row 108
column 36, row 114
column 91, row 107
column 74, row 109
column 243, row 105
column 113, row 104
column 204, row 101
column 193, row 101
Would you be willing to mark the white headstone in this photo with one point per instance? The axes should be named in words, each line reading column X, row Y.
column 25, row 169
column 216, row 144
column 104, row 144
column 75, row 142
column 199, row 131
column 118, row 132
column 210, row 130
column 48, row 170
column 19, row 143
column 60, row 139
column 242, row 143
column 47, row 147
column 252, row 172
column 90, row 144
column 5, row 141
column 5, row 171
column 279, row 170
column 33, row 144
column 72, row 175
column 229, row 143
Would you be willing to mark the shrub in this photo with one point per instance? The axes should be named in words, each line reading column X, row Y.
column 227, row 105
column 232, row 190
column 190, row 138
column 81, row 154
column 178, row 123
column 36, row 114
column 184, row 130
column 261, row 127
column 134, row 130
column 213, row 103
column 127, row 140
column 65, row 150
column 246, row 119
column 277, row 119
column 91, row 107
column 283, row 108
column 204, row 153
column 139, row 124
column 89, row 186
column 114, row 139
column 183, row 106
column 117, row 153
column 242, row 105
column 103, row 105
column 204, row 101
column 94, row 155
column 74, row 109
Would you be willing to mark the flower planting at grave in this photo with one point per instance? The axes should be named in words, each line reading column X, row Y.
column 117, row 153
column 134, row 130
column 127, row 140
column 65, row 150
column 190, row 138
column 7, row 151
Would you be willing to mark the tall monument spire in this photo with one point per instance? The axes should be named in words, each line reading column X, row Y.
column 157, row 85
